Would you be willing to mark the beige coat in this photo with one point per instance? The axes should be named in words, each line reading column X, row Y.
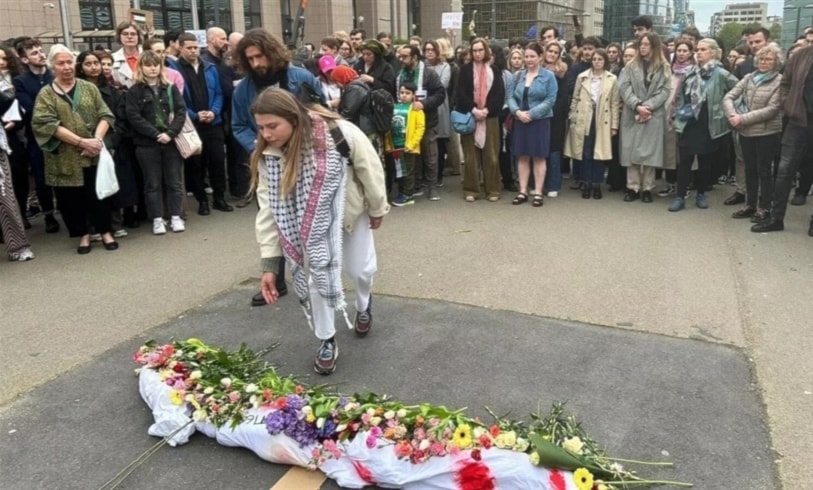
column 764, row 116
column 365, row 192
column 607, row 112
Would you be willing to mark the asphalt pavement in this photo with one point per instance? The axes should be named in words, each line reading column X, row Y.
column 671, row 336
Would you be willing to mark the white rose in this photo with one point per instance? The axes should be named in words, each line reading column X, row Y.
column 574, row 445
column 341, row 428
column 225, row 382
column 199, row 415
column 209, row 390
column 320, row 422
column 307, row 409
column 402, row 413
column 251, row 388
column 375, row 420
column 424, row 445
column 389, row 414
column 196, row 374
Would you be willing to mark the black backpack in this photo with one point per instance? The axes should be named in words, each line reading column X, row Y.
column 380, row 109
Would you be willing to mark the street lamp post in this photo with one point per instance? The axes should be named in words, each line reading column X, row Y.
column 66, row 23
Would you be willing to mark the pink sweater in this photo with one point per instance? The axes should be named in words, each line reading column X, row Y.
column 175, row 77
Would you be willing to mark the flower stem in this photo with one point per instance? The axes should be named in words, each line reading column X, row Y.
column 648, row 482
column 647, row 463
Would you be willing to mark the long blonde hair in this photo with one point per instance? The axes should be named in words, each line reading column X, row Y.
column 559, row 67
column 657, row 61
column 275, row 101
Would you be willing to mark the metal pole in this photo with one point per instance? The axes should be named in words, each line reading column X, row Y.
column 392, row 19
column 195, row 22
column 493, row 19
column 137, row 4
column 66, row 24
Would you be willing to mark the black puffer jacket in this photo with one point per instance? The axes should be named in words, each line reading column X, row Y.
column 141, row 113
column 353, row 105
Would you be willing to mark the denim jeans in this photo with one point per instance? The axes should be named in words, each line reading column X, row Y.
column 758, row 153
column 553, row 179
column 794, row 144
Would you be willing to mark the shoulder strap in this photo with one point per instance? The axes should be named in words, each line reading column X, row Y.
column 341, row 143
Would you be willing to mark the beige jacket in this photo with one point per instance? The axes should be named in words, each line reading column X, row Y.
column 764, row 116
column 582, row 111
column 365, row 193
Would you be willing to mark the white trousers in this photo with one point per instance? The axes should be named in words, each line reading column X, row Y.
column 360, row 263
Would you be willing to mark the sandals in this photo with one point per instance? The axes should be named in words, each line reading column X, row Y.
column 521, row 198
column 538, row 201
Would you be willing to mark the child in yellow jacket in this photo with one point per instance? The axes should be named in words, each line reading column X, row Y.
column 408, row 126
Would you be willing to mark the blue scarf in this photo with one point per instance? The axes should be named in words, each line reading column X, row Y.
column 762, row 77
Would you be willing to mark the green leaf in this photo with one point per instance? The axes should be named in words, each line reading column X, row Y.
column 553, row 456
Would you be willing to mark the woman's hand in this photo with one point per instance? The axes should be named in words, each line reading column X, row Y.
column 524, row 116
column 375, row 223
column 479, row 114
column 163, row 138
column 644, row 111
column 735, row 120
column 367, row 79
column 268, row 286
column 90, row 147
column 9, row 126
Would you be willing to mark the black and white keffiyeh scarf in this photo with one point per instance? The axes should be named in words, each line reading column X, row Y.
column 310, row 219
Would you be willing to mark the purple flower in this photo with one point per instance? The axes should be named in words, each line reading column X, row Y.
column 275, row 422
column 294, row 402
column 343, row 401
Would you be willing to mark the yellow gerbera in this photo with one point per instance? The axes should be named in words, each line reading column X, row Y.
column 462, row 436
column 176, row 397
column 583, row 479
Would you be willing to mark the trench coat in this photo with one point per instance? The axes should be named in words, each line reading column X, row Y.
column 643, row 144
column 582, row 111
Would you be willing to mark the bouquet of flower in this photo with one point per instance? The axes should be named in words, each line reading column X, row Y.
column 239, row 399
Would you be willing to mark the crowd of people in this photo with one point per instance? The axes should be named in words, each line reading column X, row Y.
column 323, row 140
column 517, row 119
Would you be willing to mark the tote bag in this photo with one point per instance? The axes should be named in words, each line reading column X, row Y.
column 188, row 141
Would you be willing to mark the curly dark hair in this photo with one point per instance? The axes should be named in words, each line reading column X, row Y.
column 270, row 45
column 13, row 64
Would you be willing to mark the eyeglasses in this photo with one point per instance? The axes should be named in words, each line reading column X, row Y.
column 129, row 34
column 404, row 56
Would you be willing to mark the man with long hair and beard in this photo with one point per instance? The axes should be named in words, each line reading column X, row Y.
column 265, row 62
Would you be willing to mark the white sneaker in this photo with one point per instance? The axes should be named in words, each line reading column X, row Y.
column 95, row 237
column 553, row 193
column 158, row 227
column 120, row 233
column 177, row 225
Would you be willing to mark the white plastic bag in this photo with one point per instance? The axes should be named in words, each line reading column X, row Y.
column 168, row 416
column 106, row 182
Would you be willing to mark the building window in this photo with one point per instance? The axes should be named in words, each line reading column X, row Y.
column 96, row 14
column 252, row 13
column 215, row 13
column 169, row 14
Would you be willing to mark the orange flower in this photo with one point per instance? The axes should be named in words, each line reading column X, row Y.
column 419, row 421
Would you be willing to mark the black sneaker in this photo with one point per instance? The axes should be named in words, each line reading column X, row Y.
column 325, row 362
column 364, row 320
